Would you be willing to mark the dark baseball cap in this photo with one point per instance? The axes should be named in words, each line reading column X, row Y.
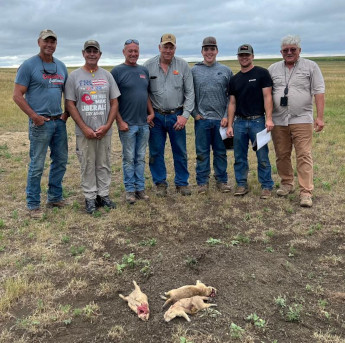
column 91, row 43
column 209, row 41
column 245, row 49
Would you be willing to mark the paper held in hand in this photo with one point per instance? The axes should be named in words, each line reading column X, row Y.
column 262, row 138
column 228, row 142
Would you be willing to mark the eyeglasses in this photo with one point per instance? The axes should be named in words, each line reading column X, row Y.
column 49, row 72
column 130, row 41
column 293, row 50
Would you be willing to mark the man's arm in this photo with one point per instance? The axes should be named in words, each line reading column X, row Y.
column 231, row 116
column 74, row 113
column 151, row 113
column 113, row 113
column 268, row 104
column 18, row 98
column 320, row 106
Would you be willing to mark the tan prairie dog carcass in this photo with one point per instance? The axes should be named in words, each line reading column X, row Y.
column 188, row 291
column 138, row 302
column 188, row 305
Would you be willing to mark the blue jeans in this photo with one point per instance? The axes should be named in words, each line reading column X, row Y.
column 134, row 143
column 51, row 134
column 207, row 135
column 245, row 130
column 158, row 134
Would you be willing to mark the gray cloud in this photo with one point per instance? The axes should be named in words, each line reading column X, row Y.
column 261, row 23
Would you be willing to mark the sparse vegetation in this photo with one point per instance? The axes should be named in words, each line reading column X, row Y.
column 61, row 276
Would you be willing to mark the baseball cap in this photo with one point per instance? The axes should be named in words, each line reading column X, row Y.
column 47, row 33
column 91, row 43
column 209, row 41
column 245, row 49
column 168, row 38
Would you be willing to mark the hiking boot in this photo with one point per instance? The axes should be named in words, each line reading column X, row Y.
column 102, row 201
column 203, row 189
column 184, row 190
column 90, row 206
column 141, row 195
column 223, row 187
column 285, row 190
column 130, row 197
column 241, row 190
column 266, row 193
column 306, row 201
column 161, row 190
column 36, row 213
column 58, row 204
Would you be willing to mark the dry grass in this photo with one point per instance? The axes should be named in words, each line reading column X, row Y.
column 60, row 274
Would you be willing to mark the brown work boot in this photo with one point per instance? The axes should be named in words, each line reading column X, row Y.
column 184, row 190
column 59, row 204
column 306, row 201
column 241, row 190
column 203, row 189
column 130, row 197
column 223, row 187
column 141, row 195
column 285, row 190
column 161, row 190
column 36, row 213
column 265, row 193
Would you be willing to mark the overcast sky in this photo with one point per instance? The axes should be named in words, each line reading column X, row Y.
column 262, row 23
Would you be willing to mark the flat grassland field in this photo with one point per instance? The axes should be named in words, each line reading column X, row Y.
column 278, row 268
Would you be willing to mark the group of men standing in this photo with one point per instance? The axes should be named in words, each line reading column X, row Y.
column 152, row 101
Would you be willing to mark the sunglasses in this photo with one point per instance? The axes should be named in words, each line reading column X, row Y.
column 293, row 50
column 49, row 72
column 130, row 41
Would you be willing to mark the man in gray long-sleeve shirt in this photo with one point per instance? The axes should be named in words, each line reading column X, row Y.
column 172, row 95
column 211, row 86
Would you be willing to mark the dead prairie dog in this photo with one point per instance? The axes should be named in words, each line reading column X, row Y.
column 138, row 302
column 188, row 305
column 188, row 292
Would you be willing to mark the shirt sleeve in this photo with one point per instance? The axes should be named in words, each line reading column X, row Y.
column 70, row 91
column 317, row 81
column 23, row 76
column 189, row 96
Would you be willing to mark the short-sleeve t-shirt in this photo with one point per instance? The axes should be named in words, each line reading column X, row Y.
column 92, row 94
column 45, row 83
column 247, row 89
column 133, row 82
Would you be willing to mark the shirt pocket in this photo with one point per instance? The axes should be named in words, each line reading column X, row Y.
column 278, row 80
column 153, row 84
column 178, row 81
column 302, row 80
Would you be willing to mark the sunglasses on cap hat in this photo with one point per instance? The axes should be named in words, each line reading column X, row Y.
column 130, row 41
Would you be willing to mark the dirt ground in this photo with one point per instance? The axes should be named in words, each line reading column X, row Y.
column 252, row 253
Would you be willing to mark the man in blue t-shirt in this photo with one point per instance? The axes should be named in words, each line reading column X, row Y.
column 250, row 100
column 133, row 121
column 38, row 89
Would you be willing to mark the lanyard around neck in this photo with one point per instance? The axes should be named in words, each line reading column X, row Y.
column 286, row 90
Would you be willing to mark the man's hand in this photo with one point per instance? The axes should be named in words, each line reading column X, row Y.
column 150, row 119
column 101, row 132
column 230, row 131
column 180, row 123
column 269, row 125
column 39, row 120
column 318, row 125
column 89, row 133
column 224, row 122
column 122, row 125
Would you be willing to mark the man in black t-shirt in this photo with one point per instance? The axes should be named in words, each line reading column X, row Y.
column 250, row 100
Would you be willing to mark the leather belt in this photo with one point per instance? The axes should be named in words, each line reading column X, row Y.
column 249, row 117
column 52, row 117
column 165, row 112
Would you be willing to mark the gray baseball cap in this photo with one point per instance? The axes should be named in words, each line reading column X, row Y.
column 209, row 41
column 91, row 43
column 245, row 49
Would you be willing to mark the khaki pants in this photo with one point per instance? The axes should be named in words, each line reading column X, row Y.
column 300, row 136
column 94, row 158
